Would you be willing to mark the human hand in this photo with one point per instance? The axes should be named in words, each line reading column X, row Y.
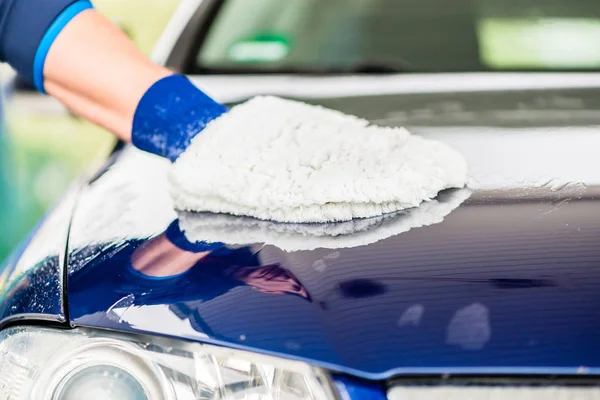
column 170, row 114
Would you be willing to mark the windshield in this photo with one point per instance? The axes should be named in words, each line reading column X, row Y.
column 400, row 36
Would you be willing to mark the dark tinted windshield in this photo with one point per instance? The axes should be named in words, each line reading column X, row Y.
column 401, row 35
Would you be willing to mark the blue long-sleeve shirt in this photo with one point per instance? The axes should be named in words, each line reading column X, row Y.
column 23, row 26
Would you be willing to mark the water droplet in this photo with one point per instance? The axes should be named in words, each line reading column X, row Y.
column 292, row 345
column 559, row 184
column 412, row 315
column 470, row 327
column 582, row 370
column 242, row 337
column 320, row 265
column 115, row 312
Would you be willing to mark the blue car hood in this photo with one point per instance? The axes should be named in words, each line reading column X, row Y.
column 502, row 278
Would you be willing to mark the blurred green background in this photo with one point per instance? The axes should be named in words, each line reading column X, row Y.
column 43, row 149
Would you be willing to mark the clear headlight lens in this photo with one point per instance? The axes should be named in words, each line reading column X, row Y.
column 46, row 364
column 100, row 382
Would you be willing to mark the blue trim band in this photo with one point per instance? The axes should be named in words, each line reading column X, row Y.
column 44, row 47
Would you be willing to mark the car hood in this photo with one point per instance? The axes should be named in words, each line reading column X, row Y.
column 501, row 277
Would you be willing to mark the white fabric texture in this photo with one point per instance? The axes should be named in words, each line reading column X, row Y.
column 239, row 231
column 288, row 161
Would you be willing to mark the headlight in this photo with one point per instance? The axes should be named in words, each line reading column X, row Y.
column 45, row 364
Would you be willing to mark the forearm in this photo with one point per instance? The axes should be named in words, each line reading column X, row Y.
column 95, row 70
column 70, row 51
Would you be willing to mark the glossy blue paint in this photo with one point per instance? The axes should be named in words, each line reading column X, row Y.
column 509, row 282
column 32, row 277
column 520, row 297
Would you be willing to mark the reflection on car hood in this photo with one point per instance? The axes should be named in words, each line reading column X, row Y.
column 237, row 230
column 508, row 281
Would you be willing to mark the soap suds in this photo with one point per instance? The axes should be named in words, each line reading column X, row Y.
column 288, row 161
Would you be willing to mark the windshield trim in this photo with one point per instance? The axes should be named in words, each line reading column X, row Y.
column 183, row 56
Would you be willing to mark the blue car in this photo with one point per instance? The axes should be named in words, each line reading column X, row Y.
column 487, row 292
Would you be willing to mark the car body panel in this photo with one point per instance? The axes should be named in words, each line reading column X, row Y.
column 508, row 282
column 31, row 281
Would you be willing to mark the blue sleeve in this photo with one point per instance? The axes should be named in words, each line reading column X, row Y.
column 28, row 28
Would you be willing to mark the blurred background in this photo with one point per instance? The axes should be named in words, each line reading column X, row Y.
column 44, row 148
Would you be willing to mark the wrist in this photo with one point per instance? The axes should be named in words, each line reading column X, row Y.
column 170, row 114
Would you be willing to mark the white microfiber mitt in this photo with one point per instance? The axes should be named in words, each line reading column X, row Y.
column 288, row 161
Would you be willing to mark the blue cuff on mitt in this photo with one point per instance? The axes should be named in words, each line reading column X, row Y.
column 170, row 114
column 177, row 237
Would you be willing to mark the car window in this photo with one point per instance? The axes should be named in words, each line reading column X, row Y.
column 401, row 35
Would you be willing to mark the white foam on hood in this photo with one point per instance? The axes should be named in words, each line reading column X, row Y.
column 288, row 161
